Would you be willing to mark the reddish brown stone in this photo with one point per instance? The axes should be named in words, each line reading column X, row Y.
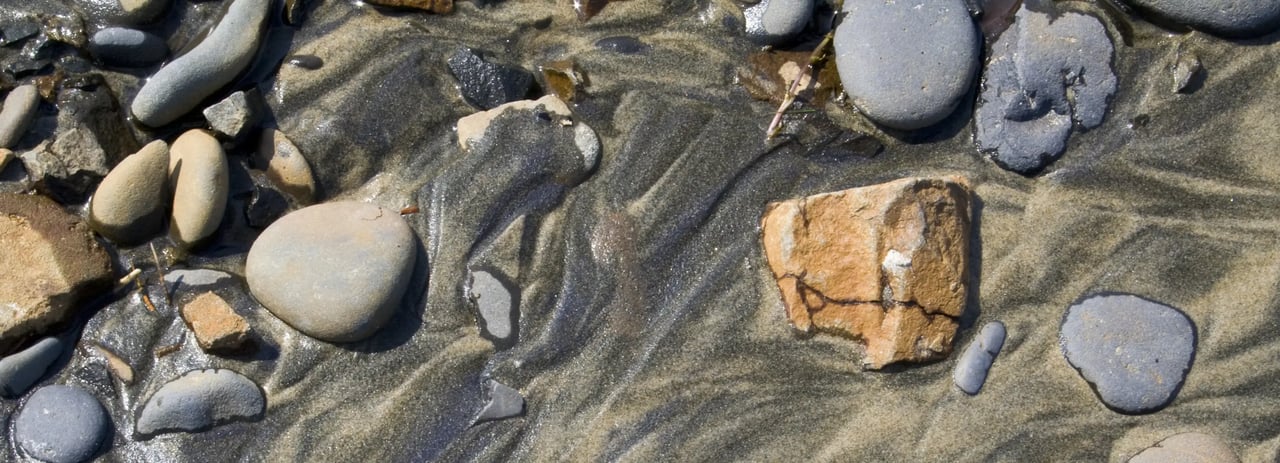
column 217, row 327
column 885, row 264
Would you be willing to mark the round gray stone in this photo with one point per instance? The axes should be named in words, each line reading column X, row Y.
column 61, row 424
column 773, row 22
column 199, row 400
column 22, row 369
column 334, row 271
column 120, row 46
column 971, row 370
column 907, row 64
column 1230, row 18
column 1134, row 352
column 128, row 206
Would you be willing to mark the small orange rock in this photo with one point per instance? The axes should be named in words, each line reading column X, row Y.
column 885, row 264
column 217, row 327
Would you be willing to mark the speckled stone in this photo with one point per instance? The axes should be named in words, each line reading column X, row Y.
column 199, row 400
column 61, row 424
column 486, row 84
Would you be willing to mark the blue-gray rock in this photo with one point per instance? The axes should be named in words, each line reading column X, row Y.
column 13, row 30
column 772, row 22
column 186, row 81
column 504, row 402
column 1024, row 114
column 119, row 46
column 334, row 271
column 61, row 424
column 1134, row 352
column 496, row 302
column 623, row 45
column 485, row 84
column 199, row 400
column 971, row 369
column 195, row 278
column 19, row 371
column 907, row 64
column 238, row 112
column 18, row 111
column 1227, row 18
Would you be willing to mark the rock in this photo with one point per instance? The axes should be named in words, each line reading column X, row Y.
column 971, row 370
column 588, row 143
column 116, row 365
column 907, row 64
column 485, row 84
column 19, row 109
column 124, row 47
column 62, row 266
column 472, row 127
column 308, row 62
column 1188, row 73
column 17, row 29
column 504, row 402
column 195, row 278
column 334, row 271
column 1188, row 447
column 61, row 424
column 236, row 113
column 434, row 6
column 6, row 155
column 91, row 137
column 186, row 81
column 199, row 174
column 773, row 22
column 623, row 45
column 1135, row 353
column 218, row 328
column 266, row 203
column 497, row 303
column 1024, row 114
column 886, row 264
column 199, row 400
column 285, row 166
column 21, row 370
column 1227, row 18
column 129, row 205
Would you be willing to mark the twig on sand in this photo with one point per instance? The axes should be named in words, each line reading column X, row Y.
column 819, row 55
column 142, row 291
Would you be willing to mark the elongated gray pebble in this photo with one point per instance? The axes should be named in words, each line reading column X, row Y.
column 61, row 424
column 182, row 84
column 19, row 109
column 119, row 46
column 22, row 369
column 971, row 370
column 195, row 278
column 1228, row 18
column 199, row 400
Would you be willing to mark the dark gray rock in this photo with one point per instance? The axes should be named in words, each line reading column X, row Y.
column 236, row 114
column 485, row 84
column 623, row 45
column 773, row 22
column 199, row 400
column 309, row 62
column 16, row 29
column 1228, row 18
column 119, row 46
column 971, row 370
column 19, row 371
column 18, row 111
column 497, row 303
column 504, row 402
column 61, row 424
column 267, row 203
column 1135, row 353
column 1024, row 114
column 91, row 136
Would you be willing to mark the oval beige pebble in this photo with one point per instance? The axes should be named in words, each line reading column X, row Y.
column 128, row 206
column 334, row 271
column 1189, row 447
column 284, row 165
column 19, row 108
column 198, row 173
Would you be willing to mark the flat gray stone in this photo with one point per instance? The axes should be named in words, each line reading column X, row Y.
column 1135, row 353
column 195, row 278
column 487, row 84
column 124, row 47
column 21, row 370
column 1188, row 447
column 907, row 64
column 1228, row 18
column 18, row 111
column 129, row 205
column 61, row 424
column 504, row 402
column 199, row 400
column 496, row 302
column 971, row 370
column 334, row 271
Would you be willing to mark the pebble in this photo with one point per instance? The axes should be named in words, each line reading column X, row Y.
column 181, row 85
column 773, row 22
column 124, row 47
column 236, row 113
column 1025, row 115
column 6, row 155
column 138, row 12
column 61, row 424
column 199, row 400
column 1227, row 18
column 21, row 370
column 334, row 271
column 17, row 29
column 195, row 278
column 907, row 64
column 19, row 109
column 623, row 45
column 1134, row 352
column 199, row 174
column 128, row 206
column 285, row 166
column 308, row 62
column 218, row 328
column 504, row 402
column 1188, row 73
column 971, row 370
column 495, row 302
column 485, row 84
column 1188, row 447
column 588, row 144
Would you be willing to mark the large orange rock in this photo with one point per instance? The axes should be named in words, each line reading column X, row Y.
column 885, row 264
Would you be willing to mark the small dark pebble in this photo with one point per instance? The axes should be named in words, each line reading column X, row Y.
column 310, row 62
column 623, row 44
column 486, row 84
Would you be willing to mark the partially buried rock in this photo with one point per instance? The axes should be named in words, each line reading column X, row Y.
column 1045, row 74
column 218, row 328
column 504, row 402
column 285, row 166
column 971, row 370
column 199, row 400
column 907, row 64
column 199, row 174
column 1135, row 353
column 128, row 206
column 496, row 303
column 1228, row 18
column 434, row 6
column 487, row 84
column 21, row 370
column 236, row 113
column 772, row 22
column 62, row 266
column 623, row 45
column 886, row 264
column 61, row 424
column 1188, row 447
column 124, row 47
column 18, row 111
column 334, row 271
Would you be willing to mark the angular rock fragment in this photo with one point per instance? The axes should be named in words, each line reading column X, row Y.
column 486, row 84
column 285, row 166
column 504, row 402
column 128, row 206
column 218, row 328
column 199, row 176
column 199, row 400
column 884, row 264
column 238, row 112
column 119, row 46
